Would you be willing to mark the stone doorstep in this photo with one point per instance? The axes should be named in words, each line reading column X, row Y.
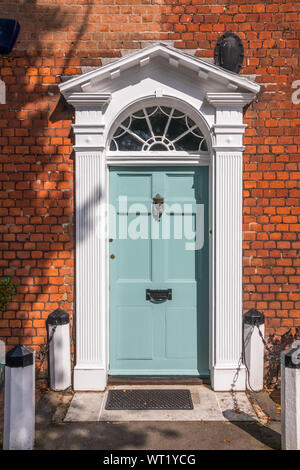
column 208, row 406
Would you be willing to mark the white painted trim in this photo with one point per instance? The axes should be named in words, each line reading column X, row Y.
column 89, row 373
column 228, row 269
column 222, row 378
column 158, row 155
column 144, row 56
column 89, row 378
column 153, row 158
column 231, row 99
column 88, row 99
column 220, row 117
column 212, row 263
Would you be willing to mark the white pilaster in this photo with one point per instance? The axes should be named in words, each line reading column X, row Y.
column 90, row 372
column 227, row 370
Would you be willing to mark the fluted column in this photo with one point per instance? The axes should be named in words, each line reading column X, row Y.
column 90, row 372
column 226, row 368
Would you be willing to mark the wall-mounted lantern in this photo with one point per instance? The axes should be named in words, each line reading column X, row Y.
column 9, row 30
column 229, row 52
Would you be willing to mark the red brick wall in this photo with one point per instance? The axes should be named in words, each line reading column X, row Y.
column 36, row 197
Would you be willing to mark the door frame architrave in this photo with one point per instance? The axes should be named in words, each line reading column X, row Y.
column 219, row 114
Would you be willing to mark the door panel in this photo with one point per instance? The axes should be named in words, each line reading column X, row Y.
column 181, row 333
column 168, row 337
column 127, row 249
column 137, row 343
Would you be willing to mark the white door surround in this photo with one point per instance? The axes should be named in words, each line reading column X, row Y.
column 214, row 99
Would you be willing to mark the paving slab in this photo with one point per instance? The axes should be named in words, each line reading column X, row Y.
column 85, row 407
column 208, row 406
column 244, row 411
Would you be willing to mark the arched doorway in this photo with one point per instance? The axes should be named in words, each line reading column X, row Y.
column 159, row 245
column 213, row 99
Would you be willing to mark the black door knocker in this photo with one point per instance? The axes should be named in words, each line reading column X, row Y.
column 157, row 207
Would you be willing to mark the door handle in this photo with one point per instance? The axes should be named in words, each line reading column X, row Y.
column 157, row 295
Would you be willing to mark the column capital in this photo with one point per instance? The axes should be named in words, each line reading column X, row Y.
column 88, row 100
column 232, row 100
column 89, row 127
column 88, row 137
column 228, row 137
column 229, row 111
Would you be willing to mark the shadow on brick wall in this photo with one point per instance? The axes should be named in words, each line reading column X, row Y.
column 36, row 203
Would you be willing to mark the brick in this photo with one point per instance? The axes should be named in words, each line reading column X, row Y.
column 36, row 193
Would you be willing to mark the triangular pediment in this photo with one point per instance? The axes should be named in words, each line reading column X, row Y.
column 169, row 58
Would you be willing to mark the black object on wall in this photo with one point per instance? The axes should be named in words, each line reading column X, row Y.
column 229, row 52
column 9, row 30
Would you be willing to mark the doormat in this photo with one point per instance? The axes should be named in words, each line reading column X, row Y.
column 149, row 400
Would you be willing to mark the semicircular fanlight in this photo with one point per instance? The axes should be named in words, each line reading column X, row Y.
column 158, row 128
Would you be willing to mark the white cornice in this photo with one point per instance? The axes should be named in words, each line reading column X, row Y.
column 229, row 149
column 88, row 128
column 229, row 128
column 230, row 99
column 88, row 99
column 89, row 151
column 175, row 58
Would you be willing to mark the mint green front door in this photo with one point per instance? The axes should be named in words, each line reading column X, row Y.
column 150, row 335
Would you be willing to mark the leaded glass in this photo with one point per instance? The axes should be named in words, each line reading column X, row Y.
column 158, row 128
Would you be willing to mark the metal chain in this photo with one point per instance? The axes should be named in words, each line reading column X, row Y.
column 235, row 377
column 272, row 353
column 243, row 360
column 237, row 372
column 45, row 348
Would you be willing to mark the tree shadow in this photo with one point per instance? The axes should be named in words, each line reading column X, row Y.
column 39, row 229
column 263, row 434
column 56, row 434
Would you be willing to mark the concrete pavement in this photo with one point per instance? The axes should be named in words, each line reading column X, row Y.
column 53, row 433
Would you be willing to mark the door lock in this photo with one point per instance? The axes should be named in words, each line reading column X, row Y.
column 112, row 256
